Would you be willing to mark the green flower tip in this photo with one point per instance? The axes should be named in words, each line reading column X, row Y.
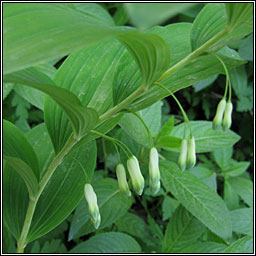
column 191, row 156
column 227, row 120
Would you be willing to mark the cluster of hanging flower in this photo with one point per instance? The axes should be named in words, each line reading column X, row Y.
column 137, row 182
column 223, row 108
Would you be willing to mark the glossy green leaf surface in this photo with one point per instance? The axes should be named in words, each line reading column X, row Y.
column 110, row 242
column 112, row 205
column 59, row 28
column 76, row 169
column 82, row 119
column 197, row 198
column 16, row 146
column 182, row 229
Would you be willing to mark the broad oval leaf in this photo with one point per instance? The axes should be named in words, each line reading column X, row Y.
column 112, row 205
column 197, row 198
column 242, row 221
column 110, row 242
column 15, row 145
column 183, row 229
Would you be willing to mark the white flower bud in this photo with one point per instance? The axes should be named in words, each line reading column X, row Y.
column 191, row 156
column 122, row 182
column 183, row 155
column 154, row 172
column 91, row 199
column 135, row 173
column 219, row 114
column 227, row 120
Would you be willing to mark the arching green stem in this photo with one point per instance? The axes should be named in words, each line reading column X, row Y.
column 181, row 108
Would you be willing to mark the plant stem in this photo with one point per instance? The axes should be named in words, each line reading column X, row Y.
column 193, row 54
column 71, row 142
column 32, row 203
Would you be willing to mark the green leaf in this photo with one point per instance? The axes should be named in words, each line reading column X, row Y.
column 133, row 126
column 204, row 83
column 168, row 207
column 152, row 117
column 144, row 15
column 211, row 20
column 137, row 227
column 73, row 29
column 167, row 127
column 182, row 229
column 112, row 205
column 204, row 247
column 244, row 188
column 111, row 242
column 64, row 191
column 15, row 200
column 238, row 13
column 82, row 119
column 52, row 246
column 7, row 87
column 246, row 49
column 231, row 197
column 169, row 143
column 235, row 168
column 197, row 198
column 36, row 97
column 242, row 245
column 206, row 138
column 206, row 175
column 26, row 173
column 242, row 221
column 222, row 157
column 238, row 79
column 245, row 103
column 39, row 139
column 15, row 147
column 150, row 52
column 200, row 68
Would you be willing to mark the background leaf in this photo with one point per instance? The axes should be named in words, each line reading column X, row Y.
column 242, row 221
column 197, row 198
column 146, row 15
column 182, row 229
column 242, row 245
column 16, row 146
column 111, row 242
column 112, row 205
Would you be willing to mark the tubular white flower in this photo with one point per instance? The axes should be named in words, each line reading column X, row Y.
column 227, row 120
column 191, row 156
column 154, row 172
column 121, row 178
column 219, row 114
column 183, row 155
column 135, row 174
column 91, row 199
